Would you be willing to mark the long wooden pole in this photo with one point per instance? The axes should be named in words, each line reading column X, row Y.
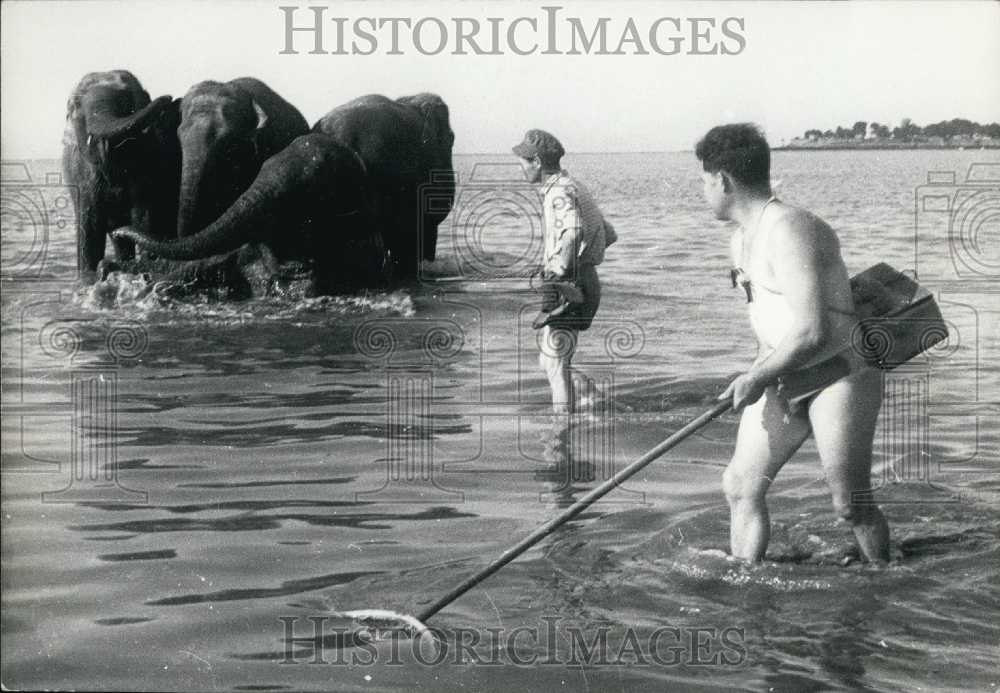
column 575, row 509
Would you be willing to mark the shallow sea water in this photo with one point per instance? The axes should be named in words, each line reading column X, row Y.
column 191, row 486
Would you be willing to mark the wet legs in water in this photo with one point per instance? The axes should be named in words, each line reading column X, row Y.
column 555, row 358
column 842, row 418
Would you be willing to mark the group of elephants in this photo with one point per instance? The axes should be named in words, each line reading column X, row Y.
column 232, row 176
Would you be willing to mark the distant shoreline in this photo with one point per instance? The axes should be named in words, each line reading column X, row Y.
column 879, row 146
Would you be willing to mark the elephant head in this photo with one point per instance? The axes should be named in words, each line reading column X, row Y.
column 437, row 140
column 218, row 136
column 227, row 131
column 436, row 134
column 109, row 116
column 109, row 106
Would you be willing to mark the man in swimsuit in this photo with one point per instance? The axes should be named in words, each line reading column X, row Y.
column 789, row 263
column 575, row 235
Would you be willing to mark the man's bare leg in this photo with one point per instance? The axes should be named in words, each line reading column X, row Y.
column 768, row 436
column 555, row 357
column 843, row 417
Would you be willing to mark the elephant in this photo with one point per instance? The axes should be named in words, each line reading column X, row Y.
column 406, row 146
column 310, row 204
column 120, row 151
column 227, row 131
column 345, row 199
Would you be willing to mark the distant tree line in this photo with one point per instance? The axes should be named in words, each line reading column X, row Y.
column 908, row 131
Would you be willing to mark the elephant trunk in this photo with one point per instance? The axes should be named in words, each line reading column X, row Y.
column 192, row 175
column 249, row 217
column 103, row 119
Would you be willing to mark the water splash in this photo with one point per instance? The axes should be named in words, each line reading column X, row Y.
column 137, row 296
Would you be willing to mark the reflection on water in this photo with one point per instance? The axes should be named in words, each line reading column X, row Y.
column 240, row 463
column 568, row 475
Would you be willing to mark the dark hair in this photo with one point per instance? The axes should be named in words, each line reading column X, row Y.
column 740, row 150
column 542, row 144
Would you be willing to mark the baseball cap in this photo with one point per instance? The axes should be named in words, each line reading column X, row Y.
column 539, row 143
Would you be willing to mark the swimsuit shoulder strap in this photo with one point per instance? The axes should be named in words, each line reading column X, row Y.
column 761, row 237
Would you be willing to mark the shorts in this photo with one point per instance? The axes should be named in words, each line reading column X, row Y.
column 577, row 316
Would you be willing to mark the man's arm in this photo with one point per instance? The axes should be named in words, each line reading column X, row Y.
column 610, row 235
column 566, row 220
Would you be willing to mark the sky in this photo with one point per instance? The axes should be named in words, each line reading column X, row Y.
column 795, row 66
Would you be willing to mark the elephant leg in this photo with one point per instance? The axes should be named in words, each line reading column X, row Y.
column 392, row 218
column 105, row 267
column 258, row 267
column 358, row 260
column 429, row 238
column 154, row 208
column 142, row 218
column 391, row 234
column 91, row 236
column 125, row 247
column 405, row 249
column 380, row 263
column 414, row 236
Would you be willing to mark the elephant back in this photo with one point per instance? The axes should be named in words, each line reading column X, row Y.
column 384, row 133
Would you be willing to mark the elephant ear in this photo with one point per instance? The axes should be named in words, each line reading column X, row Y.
column 434, row 112
column 437, row 128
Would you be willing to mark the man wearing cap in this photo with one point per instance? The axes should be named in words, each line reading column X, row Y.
column 575, row 234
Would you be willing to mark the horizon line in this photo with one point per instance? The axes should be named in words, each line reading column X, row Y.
column 592, row 151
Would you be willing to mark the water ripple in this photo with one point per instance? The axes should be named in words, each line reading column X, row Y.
column 287, row 588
